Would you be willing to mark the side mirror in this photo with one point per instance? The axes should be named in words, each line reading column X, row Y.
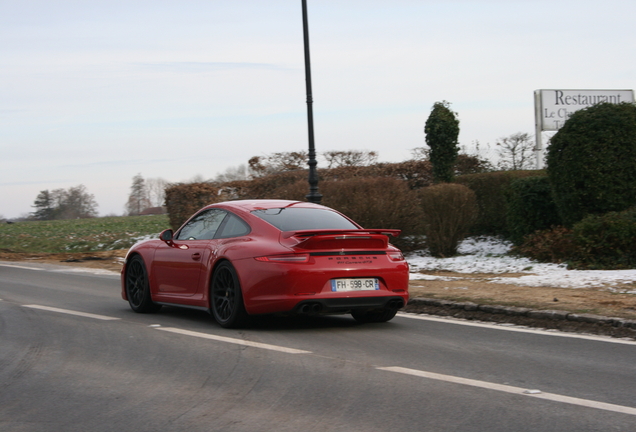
column 166, row 235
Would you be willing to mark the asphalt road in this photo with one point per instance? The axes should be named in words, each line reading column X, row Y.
column 74, row 357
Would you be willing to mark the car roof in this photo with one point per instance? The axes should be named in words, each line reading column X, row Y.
column 263, row 204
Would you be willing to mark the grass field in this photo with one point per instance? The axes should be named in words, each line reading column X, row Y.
column 79, row 235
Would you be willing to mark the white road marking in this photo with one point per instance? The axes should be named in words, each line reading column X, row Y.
column 20, row 267
column 556, row 333
column 71, row 312
column 234, row 341
column 66, row 269
column 514, row 390
column 414, row 372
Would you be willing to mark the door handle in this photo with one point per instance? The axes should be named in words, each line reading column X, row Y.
column 196, row 256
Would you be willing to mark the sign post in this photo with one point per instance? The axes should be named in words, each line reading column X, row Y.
column 553, row 107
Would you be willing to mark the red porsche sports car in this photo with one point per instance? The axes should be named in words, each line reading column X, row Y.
column 241, row 258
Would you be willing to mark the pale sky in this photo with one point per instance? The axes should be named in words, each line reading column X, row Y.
column 93, row 92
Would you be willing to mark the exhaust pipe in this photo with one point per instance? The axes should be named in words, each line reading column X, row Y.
column 395, row 304
column 310, row 308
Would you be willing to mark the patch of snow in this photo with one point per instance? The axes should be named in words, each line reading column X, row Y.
column 94, row 271
column 491, row 255
column 141, row 238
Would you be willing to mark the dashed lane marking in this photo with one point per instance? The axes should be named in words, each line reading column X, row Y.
column 72, row 312
column 514, row 390
column 234, row 341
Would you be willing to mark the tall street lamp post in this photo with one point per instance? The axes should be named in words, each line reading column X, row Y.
column 314, row 196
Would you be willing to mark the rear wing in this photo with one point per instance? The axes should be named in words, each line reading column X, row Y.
column 344, row 232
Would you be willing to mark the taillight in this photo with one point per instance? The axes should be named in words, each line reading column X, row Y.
column 289, row 258
column 395, row 255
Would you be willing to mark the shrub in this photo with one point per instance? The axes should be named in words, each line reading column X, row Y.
column 448, row 212
column 373, row 202
column 529, row 207
column 470, row 164
column 551, row 245
column 597, row 242
column 260, row 187
column 380, row 202
column 294, row 191
column 606, row 241
column 490, row 190
column 417, row 173
column 183, row 199
column 591, row 162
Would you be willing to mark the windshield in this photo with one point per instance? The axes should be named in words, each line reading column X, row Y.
column 295, row 219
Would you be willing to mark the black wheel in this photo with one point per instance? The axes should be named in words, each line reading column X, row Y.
column 137, row 287
column 226, row 300
column 374, row 316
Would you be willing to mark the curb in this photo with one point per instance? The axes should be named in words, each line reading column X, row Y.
column 551, row 319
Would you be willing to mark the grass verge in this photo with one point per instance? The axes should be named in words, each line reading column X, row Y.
column 79, row 235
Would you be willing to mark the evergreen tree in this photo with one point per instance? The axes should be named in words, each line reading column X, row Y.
column 43, row 206
column 442, row 130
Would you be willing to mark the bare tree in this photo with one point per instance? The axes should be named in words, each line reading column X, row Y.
column 277, row 162
column 233, row 173
column 156, row 188
column 420, row 153
column 79, row 203
column 350, row 158
column 515, row 152
column 138, row 199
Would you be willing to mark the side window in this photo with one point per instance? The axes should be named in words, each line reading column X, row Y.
column 233, row 227
column 203, row 226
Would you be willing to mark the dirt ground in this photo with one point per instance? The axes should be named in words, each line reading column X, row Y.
column 476, row 288
column 107, row 260
column 464, row 287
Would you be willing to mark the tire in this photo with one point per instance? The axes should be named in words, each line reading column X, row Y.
column 374, row 316
column 137, row 287
column 226, row 299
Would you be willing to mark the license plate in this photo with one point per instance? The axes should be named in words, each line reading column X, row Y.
column 339, row 285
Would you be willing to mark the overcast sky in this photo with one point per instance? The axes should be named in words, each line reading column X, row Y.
column 93, row 92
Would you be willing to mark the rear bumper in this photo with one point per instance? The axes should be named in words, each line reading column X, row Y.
column 272, row 287
column 346, row 305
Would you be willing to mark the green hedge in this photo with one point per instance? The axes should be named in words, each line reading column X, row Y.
column 607, row 241
column 490, row 189
column 591, row 162
column 597, row 242
column 529, row 207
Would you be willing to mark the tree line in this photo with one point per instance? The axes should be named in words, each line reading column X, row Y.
column 514, row 152
column 77, row 203
column 72, row 203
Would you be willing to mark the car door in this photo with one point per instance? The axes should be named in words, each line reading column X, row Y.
column 178, row 266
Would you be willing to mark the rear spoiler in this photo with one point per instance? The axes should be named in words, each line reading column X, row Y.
column 310, row 233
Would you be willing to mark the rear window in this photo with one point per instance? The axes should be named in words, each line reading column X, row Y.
column 295, row 219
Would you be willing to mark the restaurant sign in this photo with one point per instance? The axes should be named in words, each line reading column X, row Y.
column 554, row 107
